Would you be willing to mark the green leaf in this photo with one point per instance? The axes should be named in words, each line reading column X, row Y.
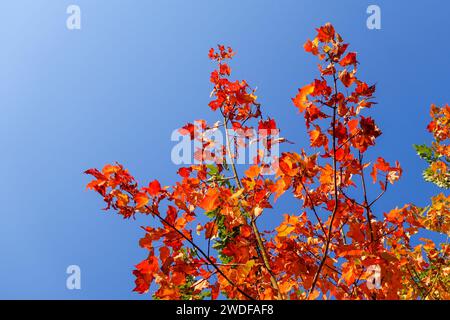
column 424, row 152
column 213, row 169
column 441, row 180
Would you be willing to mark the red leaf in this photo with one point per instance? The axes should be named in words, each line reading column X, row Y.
column 184, row 172
column 141, row 200
column 325, row 33
column 350, row 58
column 153, row 188
column 188, row 129
column 211, row 230
column 225, row 69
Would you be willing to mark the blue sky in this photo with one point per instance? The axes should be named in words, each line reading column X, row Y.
column 116, row 89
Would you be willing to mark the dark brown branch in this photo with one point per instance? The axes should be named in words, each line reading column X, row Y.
column 366, row 203
column 260, row 244
column 208, row 259
column 349, row 139
column 333, row 215
column 350, row 199
column 381, row 194
column 313, row 207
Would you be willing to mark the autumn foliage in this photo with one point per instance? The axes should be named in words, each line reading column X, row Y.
column 203, row 239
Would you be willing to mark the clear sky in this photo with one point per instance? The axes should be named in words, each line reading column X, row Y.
column 116, row 89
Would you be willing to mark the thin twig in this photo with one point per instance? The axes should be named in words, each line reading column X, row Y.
column 259, row 241
column 333, row 215
column 366, row 203
column 313, row 207
column 381, row 194
column 164, row 221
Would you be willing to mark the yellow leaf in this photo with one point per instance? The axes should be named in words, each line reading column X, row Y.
column 284, row 230
column 237, row 194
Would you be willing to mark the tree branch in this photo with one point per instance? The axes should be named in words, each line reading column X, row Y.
column 333, row 215
column 208, row 259
column 259, row 240
column 366, row 203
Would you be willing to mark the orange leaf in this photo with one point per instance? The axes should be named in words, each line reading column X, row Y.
column 279, row 187
column 284, row 230
column 317, row 138
column 314, row 295
column 373, row 174
column 122, row 199
column 109, row 169
column 210, row 201
column 301, row 99
column 141, row 200
column 353, row 125
column 348, row 273
column 253, row 172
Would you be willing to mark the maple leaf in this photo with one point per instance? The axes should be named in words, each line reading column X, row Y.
column 347, row 78
column 349, row 273
column 225, row 69
column 326, row 33
column 210, row 201
column 326, row 176
column 311, row 46
column 284, row 230
column 211, row 229
column 237, row 194
column 94, row 172
column 154, row 188
column 141, row 200
column 246, row 231
column 122, row 199
column 353, row 126
column 253, row 172
column 350, row 58
column 144, row 273
column 267, row 126
column 317, row 138
column 289, row 164
column 301, row 99
column 184, row 172
column 109, row 169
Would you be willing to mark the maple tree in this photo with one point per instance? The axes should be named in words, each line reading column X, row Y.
column 325, row 251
